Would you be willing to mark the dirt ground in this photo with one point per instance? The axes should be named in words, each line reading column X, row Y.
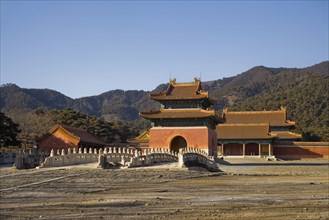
column 248, row 190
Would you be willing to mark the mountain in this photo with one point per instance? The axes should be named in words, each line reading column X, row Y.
column 115, row 104
column 14, row 97
column 304, row 91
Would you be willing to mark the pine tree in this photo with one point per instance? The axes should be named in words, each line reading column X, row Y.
column 8, row 131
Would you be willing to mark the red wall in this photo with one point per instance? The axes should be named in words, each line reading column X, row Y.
column 298, row 150
column 196, row 137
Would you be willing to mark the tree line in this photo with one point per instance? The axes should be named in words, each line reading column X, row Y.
column 23, row 127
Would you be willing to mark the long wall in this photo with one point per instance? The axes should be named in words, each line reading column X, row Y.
column 299, row 150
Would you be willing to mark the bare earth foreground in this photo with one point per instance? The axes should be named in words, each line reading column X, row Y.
column 254, row 190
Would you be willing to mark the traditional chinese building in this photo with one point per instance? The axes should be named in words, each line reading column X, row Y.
column 142, row 140
column 184, row 119
column 65, row 137
column 253, row 133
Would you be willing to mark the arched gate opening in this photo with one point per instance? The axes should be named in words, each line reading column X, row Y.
column 177, row 143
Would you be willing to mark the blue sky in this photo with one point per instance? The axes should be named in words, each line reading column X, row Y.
column 84, row 48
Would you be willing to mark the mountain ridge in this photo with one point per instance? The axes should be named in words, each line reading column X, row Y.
column 258, row 88
column 322, row 65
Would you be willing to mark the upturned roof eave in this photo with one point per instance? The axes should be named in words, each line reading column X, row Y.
column 59, row 126
column 287, row 135
column 247, row 138
column 173, row 98
column 174, row 113
column 174, row 117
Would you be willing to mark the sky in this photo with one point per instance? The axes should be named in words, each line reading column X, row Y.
column 85, row 48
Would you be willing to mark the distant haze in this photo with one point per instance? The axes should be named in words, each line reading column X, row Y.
column 84, row 48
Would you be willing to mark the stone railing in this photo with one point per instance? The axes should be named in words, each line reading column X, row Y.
column 117, row 156
column 71, row 157
column 31, row 159
column 196, row 157
column 152, row 156
column 129, row 157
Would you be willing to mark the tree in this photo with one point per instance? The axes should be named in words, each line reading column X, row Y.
column 33, row 124
column 8, row 131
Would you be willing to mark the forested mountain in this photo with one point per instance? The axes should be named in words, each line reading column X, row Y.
column 115, row 104
column 304, row 91
column 14, row 97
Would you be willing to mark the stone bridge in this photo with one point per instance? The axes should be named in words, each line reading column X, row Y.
column 124, row 157
column 196, row 157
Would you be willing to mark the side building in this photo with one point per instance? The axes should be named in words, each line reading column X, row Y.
column 184, row 119
column 254, row 133
column 141, row 141
column 65, row 137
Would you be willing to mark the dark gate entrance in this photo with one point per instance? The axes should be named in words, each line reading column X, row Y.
column 177, row 143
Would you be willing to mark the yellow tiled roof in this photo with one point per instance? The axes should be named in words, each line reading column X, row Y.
column 178, row 91
column 243, row 131
column 178, row 113
column 274, row 118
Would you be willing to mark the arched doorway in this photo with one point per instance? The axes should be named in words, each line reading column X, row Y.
column 177, row 143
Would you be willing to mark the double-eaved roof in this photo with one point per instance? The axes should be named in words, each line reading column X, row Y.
column 256, row 125
column 274, row 118
column 181, row 91
column 244, row 131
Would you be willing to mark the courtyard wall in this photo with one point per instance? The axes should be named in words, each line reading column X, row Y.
column 299, row 150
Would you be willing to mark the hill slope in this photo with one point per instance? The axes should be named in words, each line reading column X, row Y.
column 115, row 104
column 303, row 90
column 14, row 97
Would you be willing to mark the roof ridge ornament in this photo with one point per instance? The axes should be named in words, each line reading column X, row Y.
column 173, row 81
